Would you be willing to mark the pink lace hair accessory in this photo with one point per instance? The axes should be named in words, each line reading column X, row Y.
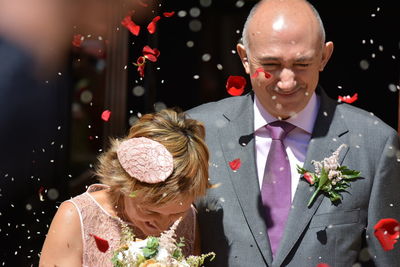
column 145, row 159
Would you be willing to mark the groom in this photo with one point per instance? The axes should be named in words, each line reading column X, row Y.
column 258, row 216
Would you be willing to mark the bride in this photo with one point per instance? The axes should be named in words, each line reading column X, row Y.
column 149, row 179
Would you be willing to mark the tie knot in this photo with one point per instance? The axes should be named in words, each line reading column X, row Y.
column 279, row 129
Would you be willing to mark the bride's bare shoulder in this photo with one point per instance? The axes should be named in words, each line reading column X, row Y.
column 63, row 243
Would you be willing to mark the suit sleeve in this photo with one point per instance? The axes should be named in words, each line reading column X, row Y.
column 385, row 201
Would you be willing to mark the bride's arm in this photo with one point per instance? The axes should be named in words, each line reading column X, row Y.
column 63, row 244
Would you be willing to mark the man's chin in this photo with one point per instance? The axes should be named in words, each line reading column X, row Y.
column 286, row 113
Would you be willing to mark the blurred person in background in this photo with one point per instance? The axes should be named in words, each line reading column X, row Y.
column 35, row 46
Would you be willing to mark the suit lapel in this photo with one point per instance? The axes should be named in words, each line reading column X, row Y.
column 240, row 126
column 326, row 138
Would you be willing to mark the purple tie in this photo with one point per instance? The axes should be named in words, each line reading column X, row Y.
column 276, row 186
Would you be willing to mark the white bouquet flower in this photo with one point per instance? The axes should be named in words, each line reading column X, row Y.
column 161, row 251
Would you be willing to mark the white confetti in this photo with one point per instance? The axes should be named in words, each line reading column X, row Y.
column 190, row 44
column 239, row 3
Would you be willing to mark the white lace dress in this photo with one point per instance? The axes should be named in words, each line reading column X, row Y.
column 97, row 221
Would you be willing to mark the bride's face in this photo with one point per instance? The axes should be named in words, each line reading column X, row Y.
column 153, row 219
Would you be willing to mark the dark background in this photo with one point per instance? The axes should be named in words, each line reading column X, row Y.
column 65, row 116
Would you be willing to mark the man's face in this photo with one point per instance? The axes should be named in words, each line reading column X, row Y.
column 293, row 57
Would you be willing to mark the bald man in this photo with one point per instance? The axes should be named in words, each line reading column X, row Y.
column 238, row 220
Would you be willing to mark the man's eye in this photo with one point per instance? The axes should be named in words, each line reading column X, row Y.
column 302, row 65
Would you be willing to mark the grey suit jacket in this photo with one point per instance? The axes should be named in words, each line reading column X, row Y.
column 231, row 215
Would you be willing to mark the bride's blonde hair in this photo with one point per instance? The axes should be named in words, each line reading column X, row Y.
column 183, row 138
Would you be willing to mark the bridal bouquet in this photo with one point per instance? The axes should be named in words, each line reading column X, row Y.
column 163, row 251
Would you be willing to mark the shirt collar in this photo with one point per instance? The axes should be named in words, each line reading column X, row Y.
column 305, row 119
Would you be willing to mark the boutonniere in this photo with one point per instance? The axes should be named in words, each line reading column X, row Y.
column 329, row 177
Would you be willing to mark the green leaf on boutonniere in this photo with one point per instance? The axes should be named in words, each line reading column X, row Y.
column 321, row 185
column 301, row 170
column 349, row 174
column 333, row 196
column 323, row 178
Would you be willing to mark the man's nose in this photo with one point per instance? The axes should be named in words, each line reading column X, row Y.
column 287, row 80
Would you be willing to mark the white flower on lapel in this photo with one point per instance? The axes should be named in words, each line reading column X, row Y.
column 329, row 177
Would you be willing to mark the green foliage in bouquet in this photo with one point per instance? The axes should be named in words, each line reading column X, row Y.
column 163, row 250
column 151, row 248
column 197, row 261
column 177, row 254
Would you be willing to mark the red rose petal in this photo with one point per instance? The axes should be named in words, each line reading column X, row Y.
column 168, row 14
column 266, row 74
column 105, row 116
column 152, row 25
column 151, row 54
column 148, row 50
column 387, row 231
column 130, row 25
column 151, row 58
column 101, row 243
column 140, row 69
column 235, row 164
column 348, row 99
column 140, row 61
column 143, row 4
column 77, row 40
column 255, row 74
column 235, row 85
column 322, row 265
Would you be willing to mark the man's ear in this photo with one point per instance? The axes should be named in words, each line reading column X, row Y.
column 327, row 51
column 243, row 57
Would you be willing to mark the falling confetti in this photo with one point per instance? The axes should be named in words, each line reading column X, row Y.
column 41, row 190
column 348, row 99
column 168, row 14
column 151, row 54
column 140, row 63
column 152, row 25
column 387, row 231
column 143, row 3
column 266, row 74
column 77, row 40
column 322, row 265
column 235, row 164
column 105, row 116
column 235, row 85
column 128, row 23
column 101, row 243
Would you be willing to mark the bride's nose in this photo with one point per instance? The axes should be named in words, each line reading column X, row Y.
column 165, row 222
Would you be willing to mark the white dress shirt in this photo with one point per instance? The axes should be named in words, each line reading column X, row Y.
column 296, row 142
